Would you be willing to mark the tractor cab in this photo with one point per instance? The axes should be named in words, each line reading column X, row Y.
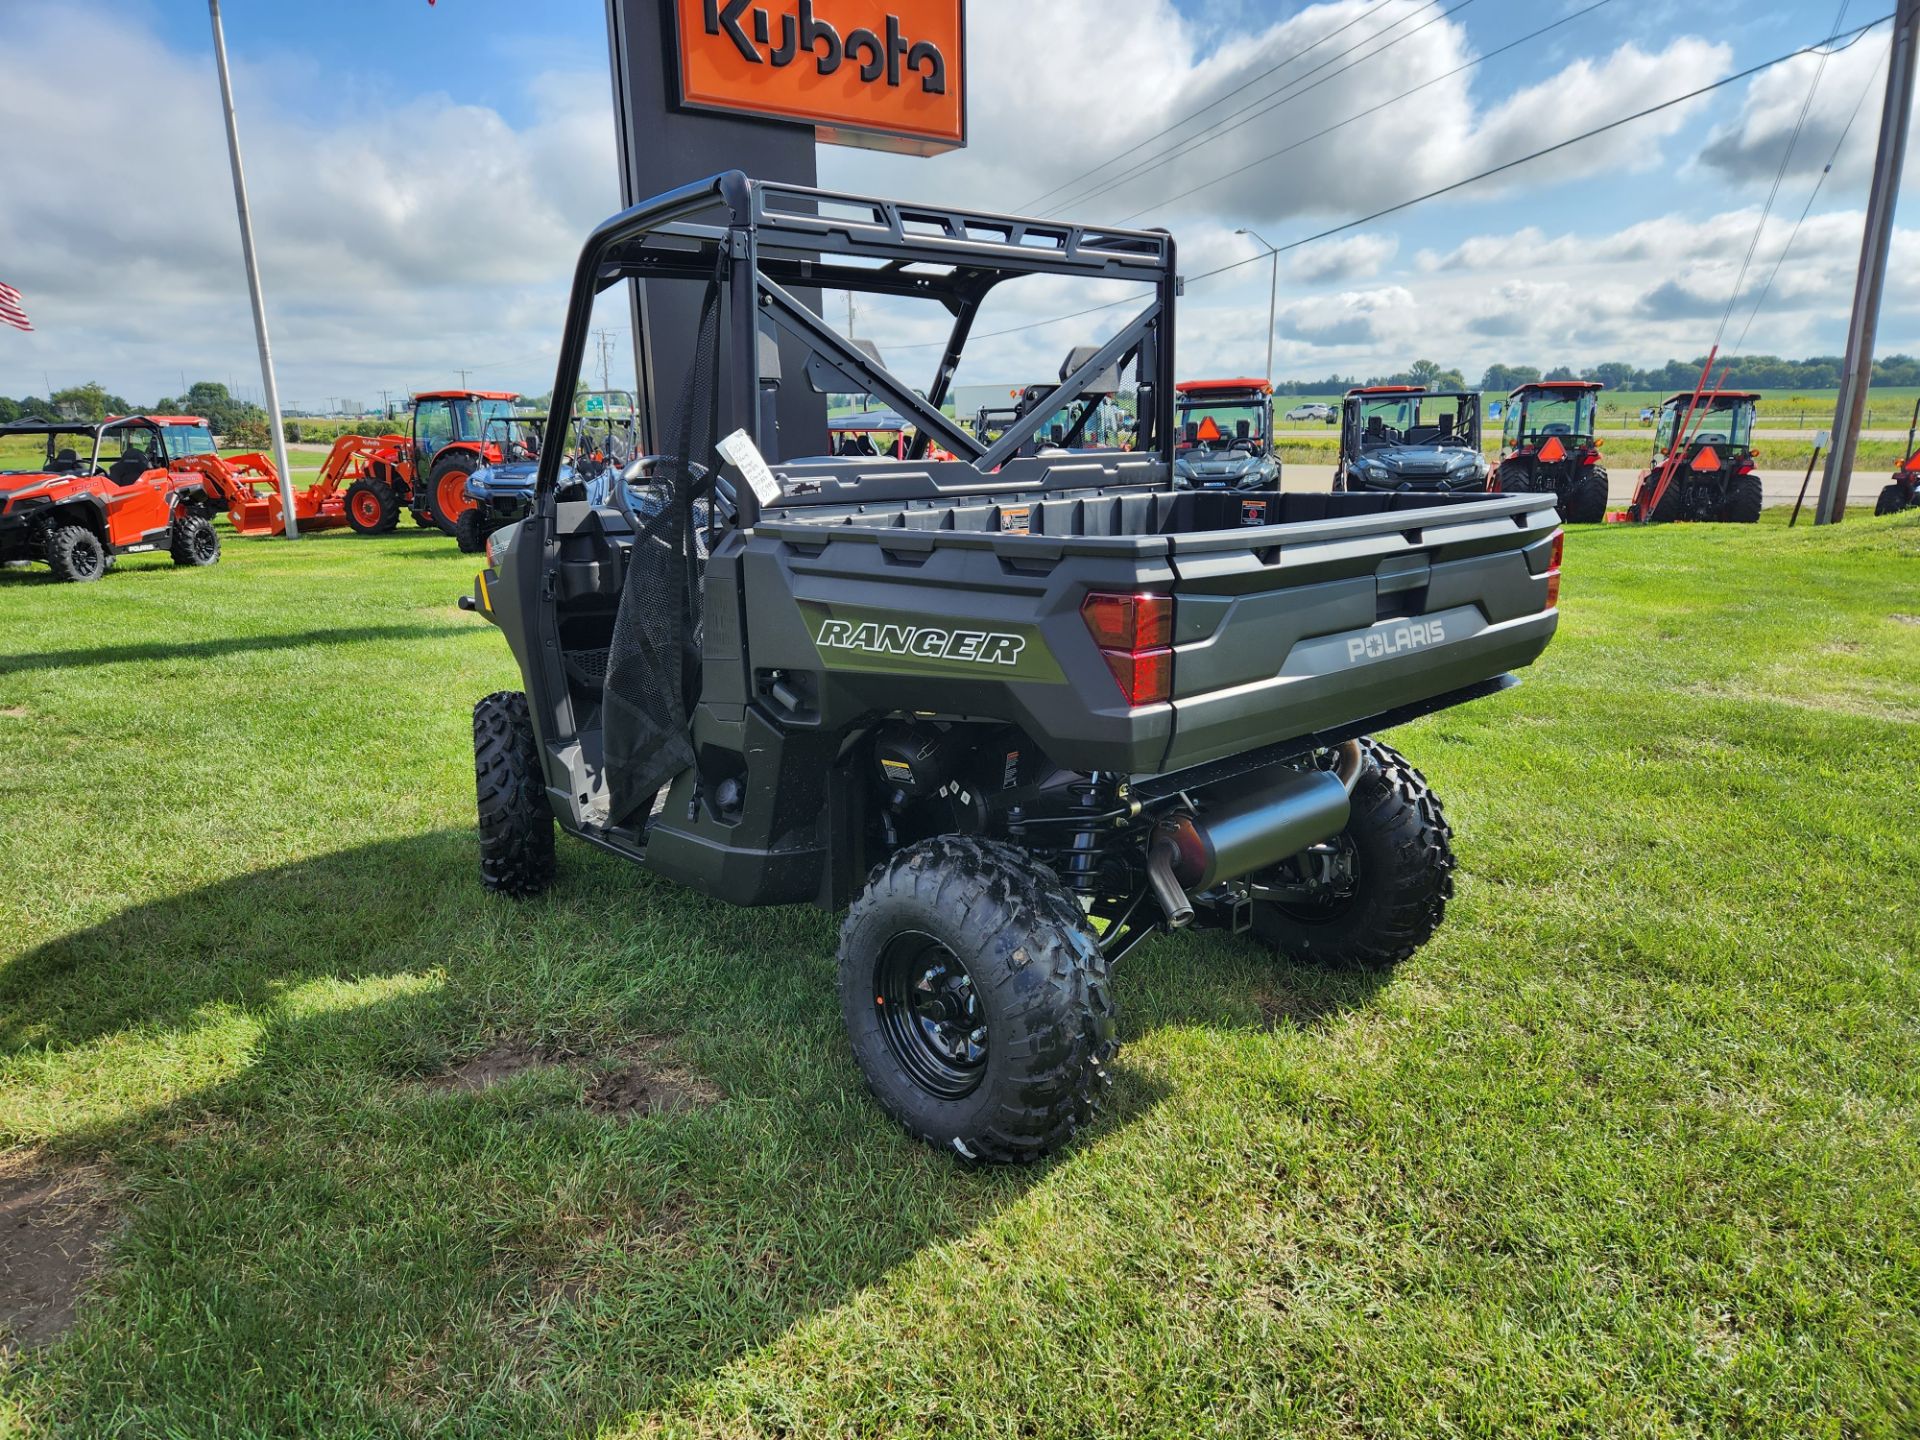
column 1549, row 446
column 1224, row 435
column 1406, row 437
column 446, row 442
column 1703, row 460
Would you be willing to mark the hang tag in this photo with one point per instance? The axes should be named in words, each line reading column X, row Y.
column 745, row 457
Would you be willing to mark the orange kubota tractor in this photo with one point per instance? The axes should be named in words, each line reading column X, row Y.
column 366, row 481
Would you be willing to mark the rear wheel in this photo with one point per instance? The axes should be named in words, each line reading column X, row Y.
column 470, row 530
column 194, row 541
column 76, row 554
column 976, row 999
column 446, row 492
column 1377, row 891
column 1891, row 502
column 371, row 507
column 1669, row 508
column 516, row 823
column 1743, row 499
column 1586, row 501
column 1516, row 479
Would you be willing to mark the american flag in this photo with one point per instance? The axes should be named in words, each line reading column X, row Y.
column 12, row 311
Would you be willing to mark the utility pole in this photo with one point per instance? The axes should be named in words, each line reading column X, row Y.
column 463, row 379
column 253, row 277
column 1273, row 296
column 1857, row 373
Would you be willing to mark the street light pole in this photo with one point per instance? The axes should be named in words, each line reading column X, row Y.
column 253, row 277
column 1273, row 296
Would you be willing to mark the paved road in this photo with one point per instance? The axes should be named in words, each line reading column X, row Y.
column 1779, row 487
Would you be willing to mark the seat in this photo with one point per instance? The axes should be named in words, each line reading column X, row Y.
column 129, row 468
column 66, row 462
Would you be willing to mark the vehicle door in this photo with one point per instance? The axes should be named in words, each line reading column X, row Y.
column 138, row 492
column 433, row 428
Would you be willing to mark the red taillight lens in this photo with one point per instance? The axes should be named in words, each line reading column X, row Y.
column 1128, row 622
column 1135, row 635
column 1145, row 676
column 1553, row 570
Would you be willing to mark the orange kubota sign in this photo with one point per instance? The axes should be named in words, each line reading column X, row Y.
column 884, row 74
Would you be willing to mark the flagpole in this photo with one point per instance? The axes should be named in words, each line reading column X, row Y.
column 253, row 277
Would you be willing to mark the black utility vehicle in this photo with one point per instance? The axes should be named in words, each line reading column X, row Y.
column 1017, row 713
column 1408, row 438
column 1226, row 436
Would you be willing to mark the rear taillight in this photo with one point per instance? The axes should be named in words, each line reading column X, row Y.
column 1553, row 570
column 1135, row 636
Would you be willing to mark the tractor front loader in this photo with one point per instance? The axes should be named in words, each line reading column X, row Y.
column 350, row 489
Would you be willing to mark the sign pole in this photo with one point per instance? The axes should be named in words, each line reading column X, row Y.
column 253, row 278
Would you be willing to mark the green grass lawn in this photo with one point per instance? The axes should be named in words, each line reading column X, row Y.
column 1632, row 1149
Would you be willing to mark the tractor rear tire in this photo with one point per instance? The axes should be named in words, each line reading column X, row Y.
column 1744, row 498
column 371, row 507
column 75, row 554
column 1398, row 849
column 446, row 515
column 1511, row 479
column 470, row 531
column 1586, row 502
column 194, row 541
column 976, row 999
column 1669, row 509
column 1890, row 502
column 516, row 822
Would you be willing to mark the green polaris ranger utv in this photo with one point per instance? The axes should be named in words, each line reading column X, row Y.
column 1013, row 714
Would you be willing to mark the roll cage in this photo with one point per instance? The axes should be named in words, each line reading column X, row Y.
column 757, row 242
column 151, row 432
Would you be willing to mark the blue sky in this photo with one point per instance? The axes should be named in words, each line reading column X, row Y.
column 423, row 176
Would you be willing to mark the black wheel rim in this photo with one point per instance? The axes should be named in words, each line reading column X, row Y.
column 931, row 1015
column 89, row 559
column 205, row 544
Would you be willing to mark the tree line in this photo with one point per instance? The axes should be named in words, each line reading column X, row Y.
column 1745, row 372
column 87, row 404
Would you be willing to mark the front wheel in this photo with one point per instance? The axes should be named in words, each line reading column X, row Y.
column 976, row 999
column 470, row 531
column 75, row 554
column 371, row 507
column 1375, row 893
column 516, row 822
column 194, row 541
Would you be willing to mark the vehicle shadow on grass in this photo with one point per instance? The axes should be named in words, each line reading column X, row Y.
column 340, row 1228
column 209, row 649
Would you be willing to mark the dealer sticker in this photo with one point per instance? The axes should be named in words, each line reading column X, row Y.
column 745, row 457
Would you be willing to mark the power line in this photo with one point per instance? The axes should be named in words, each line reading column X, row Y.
column 1851, row 37
column 1375, row 109
column 1269, row 102
column 1779, row 176
column 1192, row 115
column 1807, row 209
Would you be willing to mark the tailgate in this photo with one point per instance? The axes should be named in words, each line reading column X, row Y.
column 1343, row 619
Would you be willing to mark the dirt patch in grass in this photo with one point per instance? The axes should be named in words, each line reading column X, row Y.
column 647, row 1081
column 638, row 1079
column 55, row 1221
column 13, row 712
column 1900, row 619
column 492, row 1066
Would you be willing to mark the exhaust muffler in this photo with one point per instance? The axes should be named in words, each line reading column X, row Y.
column 1238, row 835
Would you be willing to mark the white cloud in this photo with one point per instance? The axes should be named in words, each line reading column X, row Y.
column 1751, row 146
column 397, row 244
